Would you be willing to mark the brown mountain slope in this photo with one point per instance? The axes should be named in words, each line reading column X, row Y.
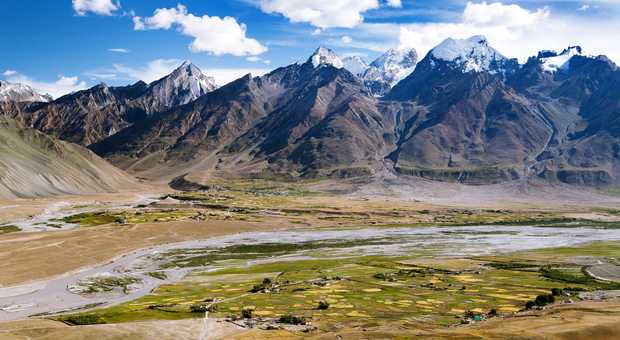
column 466, row 114
column 305, row 118
column 88, row 116
column 188, row 133
column 465, row 126
column 327, row 122
column 581, row 104
column 33, row 164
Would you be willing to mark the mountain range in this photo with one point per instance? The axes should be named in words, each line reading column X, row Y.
column 10, row 92
column 463, row 113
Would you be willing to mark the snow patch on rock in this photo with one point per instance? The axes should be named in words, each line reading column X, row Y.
column 185, row 84
column 393, row 66
column 324, row 56
column 20, row 93
column 553, row 62
column 355, row 64
column 471, row 55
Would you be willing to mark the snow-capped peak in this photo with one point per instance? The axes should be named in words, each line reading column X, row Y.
column 552, row 61
column 389, row 69
column 188, row 73
column 473, row 54
column 355, row 64
column 20, row 93
column 404, row 58
column 325, row 56
column 183, row 85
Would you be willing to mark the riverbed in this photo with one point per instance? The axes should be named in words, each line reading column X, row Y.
column 53, row 295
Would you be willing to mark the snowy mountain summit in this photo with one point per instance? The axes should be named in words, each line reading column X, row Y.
column 552, row 61
column 355, row 64
column 470, row 55
column 325, row 56
column 13, row 92
column 183, row 85
column 390, row 68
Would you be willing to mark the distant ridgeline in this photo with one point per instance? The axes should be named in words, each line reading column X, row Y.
column 463, row 113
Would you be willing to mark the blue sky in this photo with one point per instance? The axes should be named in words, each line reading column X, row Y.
column 59, row 46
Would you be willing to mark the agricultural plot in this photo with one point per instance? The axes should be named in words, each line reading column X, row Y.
column 276, row 282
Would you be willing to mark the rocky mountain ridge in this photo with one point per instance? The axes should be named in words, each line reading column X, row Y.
column 466, row 113
column 11, row 92
column 91, row 115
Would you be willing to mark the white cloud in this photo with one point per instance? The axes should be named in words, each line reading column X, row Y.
column 584, row 8
column 101, row 7
column 215, row 35
column 224, row 76
column 258, row 59
column 160, row 68
column 152, row 71
column 98, row 76
column 321, row 13
column 64, row 85
column 513, row 30
column 119, row 50
column 138, row 25
column 346, row 39
column 498, row 14
column 395, row 3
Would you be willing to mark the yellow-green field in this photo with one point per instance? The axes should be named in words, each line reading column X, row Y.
column 366, row 290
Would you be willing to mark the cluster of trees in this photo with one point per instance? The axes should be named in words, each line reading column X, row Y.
column 545, row 299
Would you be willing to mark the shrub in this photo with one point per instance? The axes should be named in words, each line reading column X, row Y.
column 323, row 305
column 542, row 300
column 246, row 313
column 88, row 319
column 292, row 320
column 557, row 291
column 380, row 276
column 158, row 275
column 267, row 283
column 202, row 308
column 5, row 229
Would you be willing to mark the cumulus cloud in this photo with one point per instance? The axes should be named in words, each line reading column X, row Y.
column 322, row 13
column 498, row 14
column 346, row 39
column 101, row 7
column 513, row 30
column 63, row 85
column 214, row 35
